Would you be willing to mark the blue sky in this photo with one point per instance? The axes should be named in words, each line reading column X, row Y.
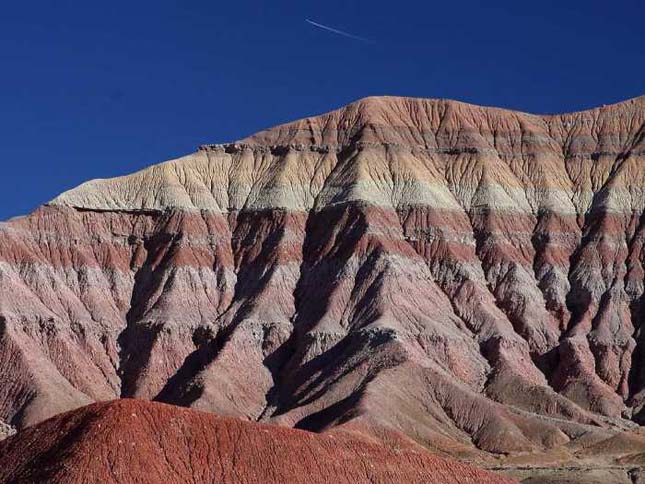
column 97, row 89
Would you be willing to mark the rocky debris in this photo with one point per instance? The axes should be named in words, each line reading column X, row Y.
column 470, row 277
column 6, row 430
column 138, row 441
column 577, row 475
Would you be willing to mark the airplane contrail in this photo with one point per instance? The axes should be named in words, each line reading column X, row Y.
column 339, row 32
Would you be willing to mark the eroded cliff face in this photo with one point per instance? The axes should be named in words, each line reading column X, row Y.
column 471, row 277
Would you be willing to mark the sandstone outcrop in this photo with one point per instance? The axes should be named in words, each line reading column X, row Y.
column 471, row 277
column 138, row 441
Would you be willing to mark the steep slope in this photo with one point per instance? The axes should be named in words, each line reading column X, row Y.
column 137, row 441
column 471, row 277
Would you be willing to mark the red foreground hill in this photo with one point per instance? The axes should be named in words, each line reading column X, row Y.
column 139, row 441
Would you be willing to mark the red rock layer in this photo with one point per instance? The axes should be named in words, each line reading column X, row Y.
column 136, row 441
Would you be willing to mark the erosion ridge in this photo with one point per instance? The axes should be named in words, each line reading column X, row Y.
column 469, row 276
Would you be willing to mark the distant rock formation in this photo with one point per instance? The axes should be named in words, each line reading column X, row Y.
column 471, row 277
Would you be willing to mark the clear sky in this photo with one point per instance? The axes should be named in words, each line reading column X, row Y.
column 93, row 89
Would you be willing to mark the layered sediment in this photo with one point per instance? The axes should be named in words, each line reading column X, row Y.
column 471, row 277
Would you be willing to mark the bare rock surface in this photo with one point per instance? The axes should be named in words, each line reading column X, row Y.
column 6, row 430
column 469, row 277
column 139, row 441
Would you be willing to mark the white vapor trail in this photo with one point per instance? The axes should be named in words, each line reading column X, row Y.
column 336, row 31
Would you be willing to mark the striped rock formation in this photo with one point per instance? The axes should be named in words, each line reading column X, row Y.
column 469, row 276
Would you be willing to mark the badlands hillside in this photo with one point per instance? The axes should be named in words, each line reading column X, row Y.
column 470, row 277
column 135, row 441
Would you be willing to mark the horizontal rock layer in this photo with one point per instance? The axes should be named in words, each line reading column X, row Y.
column 471, row 277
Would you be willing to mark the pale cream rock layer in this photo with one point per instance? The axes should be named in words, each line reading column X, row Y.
column 394, row 152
